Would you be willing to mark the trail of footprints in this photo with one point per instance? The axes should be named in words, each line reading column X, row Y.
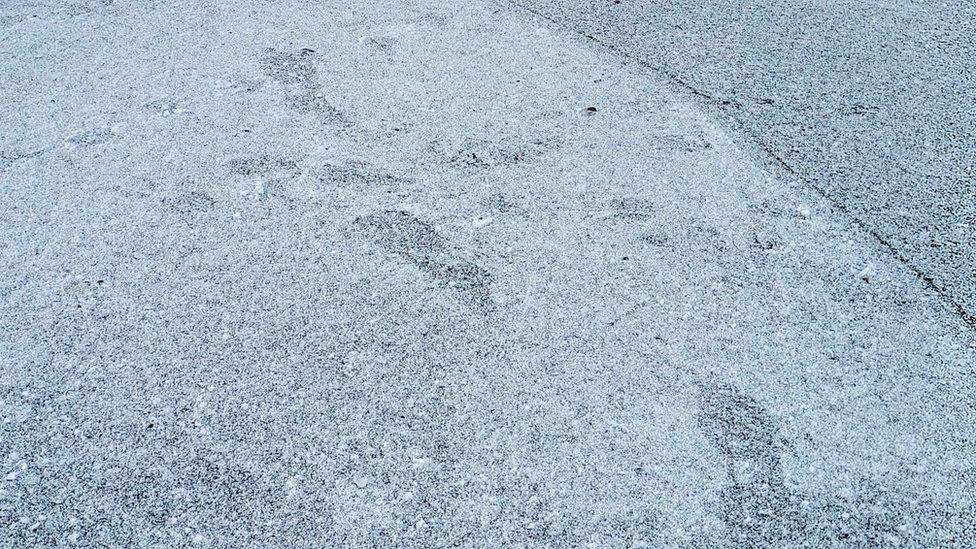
column 758, row 507
column 397, row 232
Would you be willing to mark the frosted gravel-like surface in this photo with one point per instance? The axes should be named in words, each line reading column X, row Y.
column 306, row 274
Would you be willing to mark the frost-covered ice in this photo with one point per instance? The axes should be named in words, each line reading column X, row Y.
column 267, row 284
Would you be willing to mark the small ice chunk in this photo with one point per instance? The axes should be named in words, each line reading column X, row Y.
column 867, row 273
column 361, row 481
column 482, row 222
column 804, row 212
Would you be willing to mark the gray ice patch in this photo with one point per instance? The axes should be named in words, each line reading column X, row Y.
column 416, row 241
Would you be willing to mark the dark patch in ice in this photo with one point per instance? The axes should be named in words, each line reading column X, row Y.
column 297, row 74
column 246, row 86
column 191, row 202
column 756, row 506
column 7, row 158
column 382, row 44
column 631, row 208
column 682, row 143
column 345, row 176
column 404, row 234
column 165, row 105
column 266, row 166
column 764, row 240
column 197, row 483
column 416, row 241
column 270, row 176
column 658, row 240
column 10, row 20
column 502, row 204
column 481, row 154
column 774, row 209
column 707, row 238
column 92, row 137
column 86, row 7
